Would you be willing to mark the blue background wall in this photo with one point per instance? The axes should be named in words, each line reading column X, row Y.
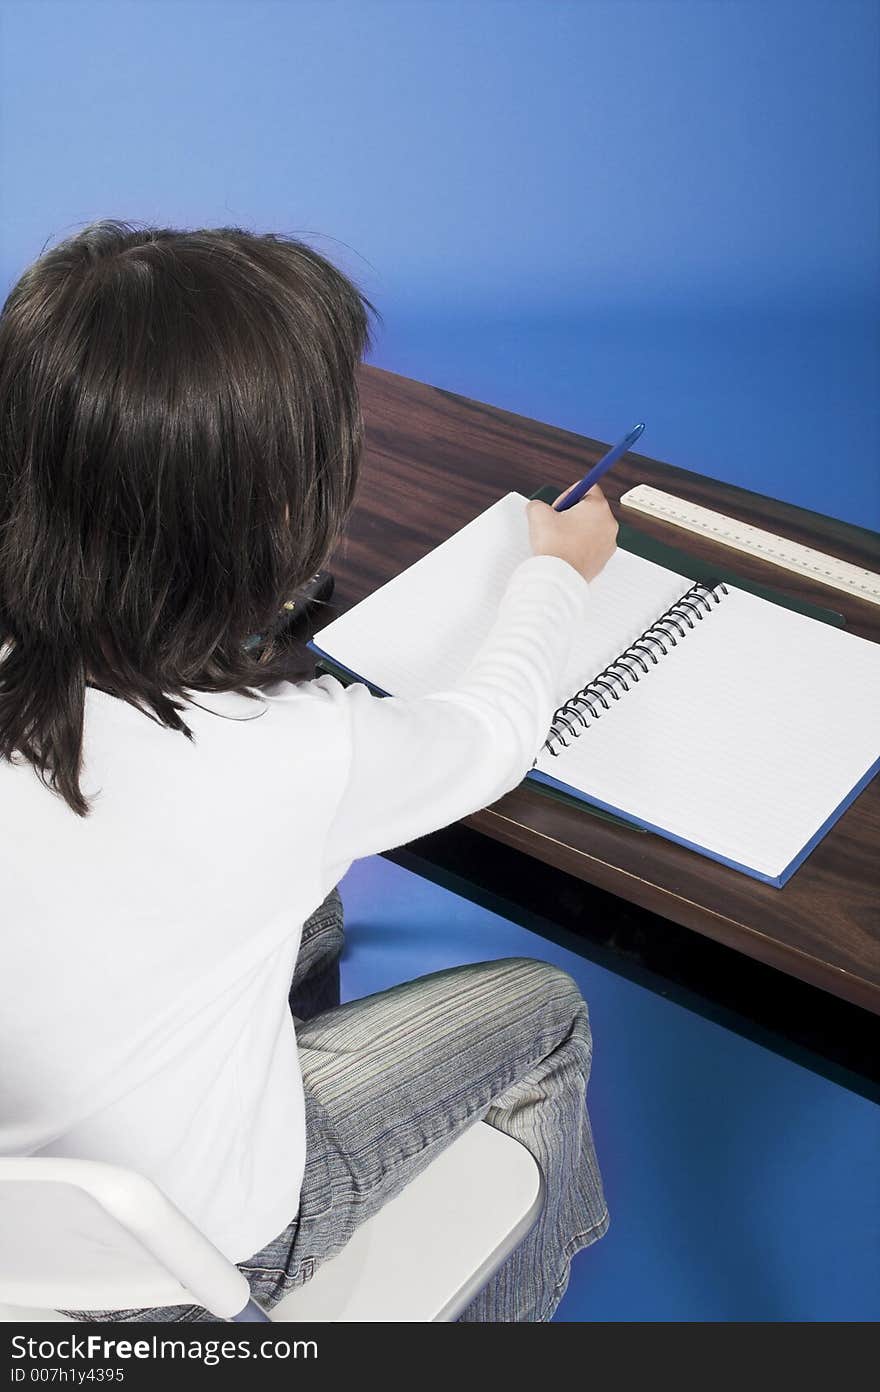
column 592, row 213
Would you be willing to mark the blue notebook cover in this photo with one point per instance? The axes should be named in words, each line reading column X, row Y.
column 777, row 881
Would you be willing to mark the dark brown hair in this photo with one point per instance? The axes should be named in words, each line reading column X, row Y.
column 165, row 395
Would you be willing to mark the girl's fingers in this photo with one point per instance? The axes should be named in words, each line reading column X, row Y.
column 566, row 493
column 594, row 492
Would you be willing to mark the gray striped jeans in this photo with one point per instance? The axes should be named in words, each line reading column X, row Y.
column 392, row 1079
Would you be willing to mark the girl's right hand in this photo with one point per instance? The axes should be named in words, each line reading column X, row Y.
column 584, row 535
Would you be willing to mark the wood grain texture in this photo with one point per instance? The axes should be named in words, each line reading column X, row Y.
column 433, row 461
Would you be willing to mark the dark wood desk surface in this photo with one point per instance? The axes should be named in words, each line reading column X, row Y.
column 433, row 461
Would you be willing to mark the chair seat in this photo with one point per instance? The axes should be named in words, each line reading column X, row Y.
column 425, row 1254
column 25, row 1314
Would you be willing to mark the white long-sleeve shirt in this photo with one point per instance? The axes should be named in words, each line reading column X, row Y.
column 148, row 948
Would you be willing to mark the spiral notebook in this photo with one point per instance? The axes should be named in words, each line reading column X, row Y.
column 698, row 711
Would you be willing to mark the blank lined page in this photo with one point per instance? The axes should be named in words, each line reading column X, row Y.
column 743, row 740
column 418, row 632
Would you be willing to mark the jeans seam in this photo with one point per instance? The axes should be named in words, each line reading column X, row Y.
column 567, row 1253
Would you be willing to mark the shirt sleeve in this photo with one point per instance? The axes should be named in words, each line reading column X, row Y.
column 416, row 765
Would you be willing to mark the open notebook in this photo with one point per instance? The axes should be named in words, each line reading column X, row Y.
column 703, row 713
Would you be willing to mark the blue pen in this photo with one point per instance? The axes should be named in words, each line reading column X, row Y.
column 599, row 469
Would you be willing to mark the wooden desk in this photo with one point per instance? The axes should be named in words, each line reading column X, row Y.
column 433, row 461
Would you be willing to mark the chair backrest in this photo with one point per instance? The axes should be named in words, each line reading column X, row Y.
column 82, row 1235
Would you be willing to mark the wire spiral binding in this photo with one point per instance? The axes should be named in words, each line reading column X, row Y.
column 633, row 663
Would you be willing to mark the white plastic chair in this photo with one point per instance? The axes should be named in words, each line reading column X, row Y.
column 82, row 1235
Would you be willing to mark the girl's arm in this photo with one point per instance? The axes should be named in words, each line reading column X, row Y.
column 417, row 765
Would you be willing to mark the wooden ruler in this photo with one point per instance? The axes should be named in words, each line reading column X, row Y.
column 790, row 555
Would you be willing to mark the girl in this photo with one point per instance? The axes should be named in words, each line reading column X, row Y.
column 180, row 435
